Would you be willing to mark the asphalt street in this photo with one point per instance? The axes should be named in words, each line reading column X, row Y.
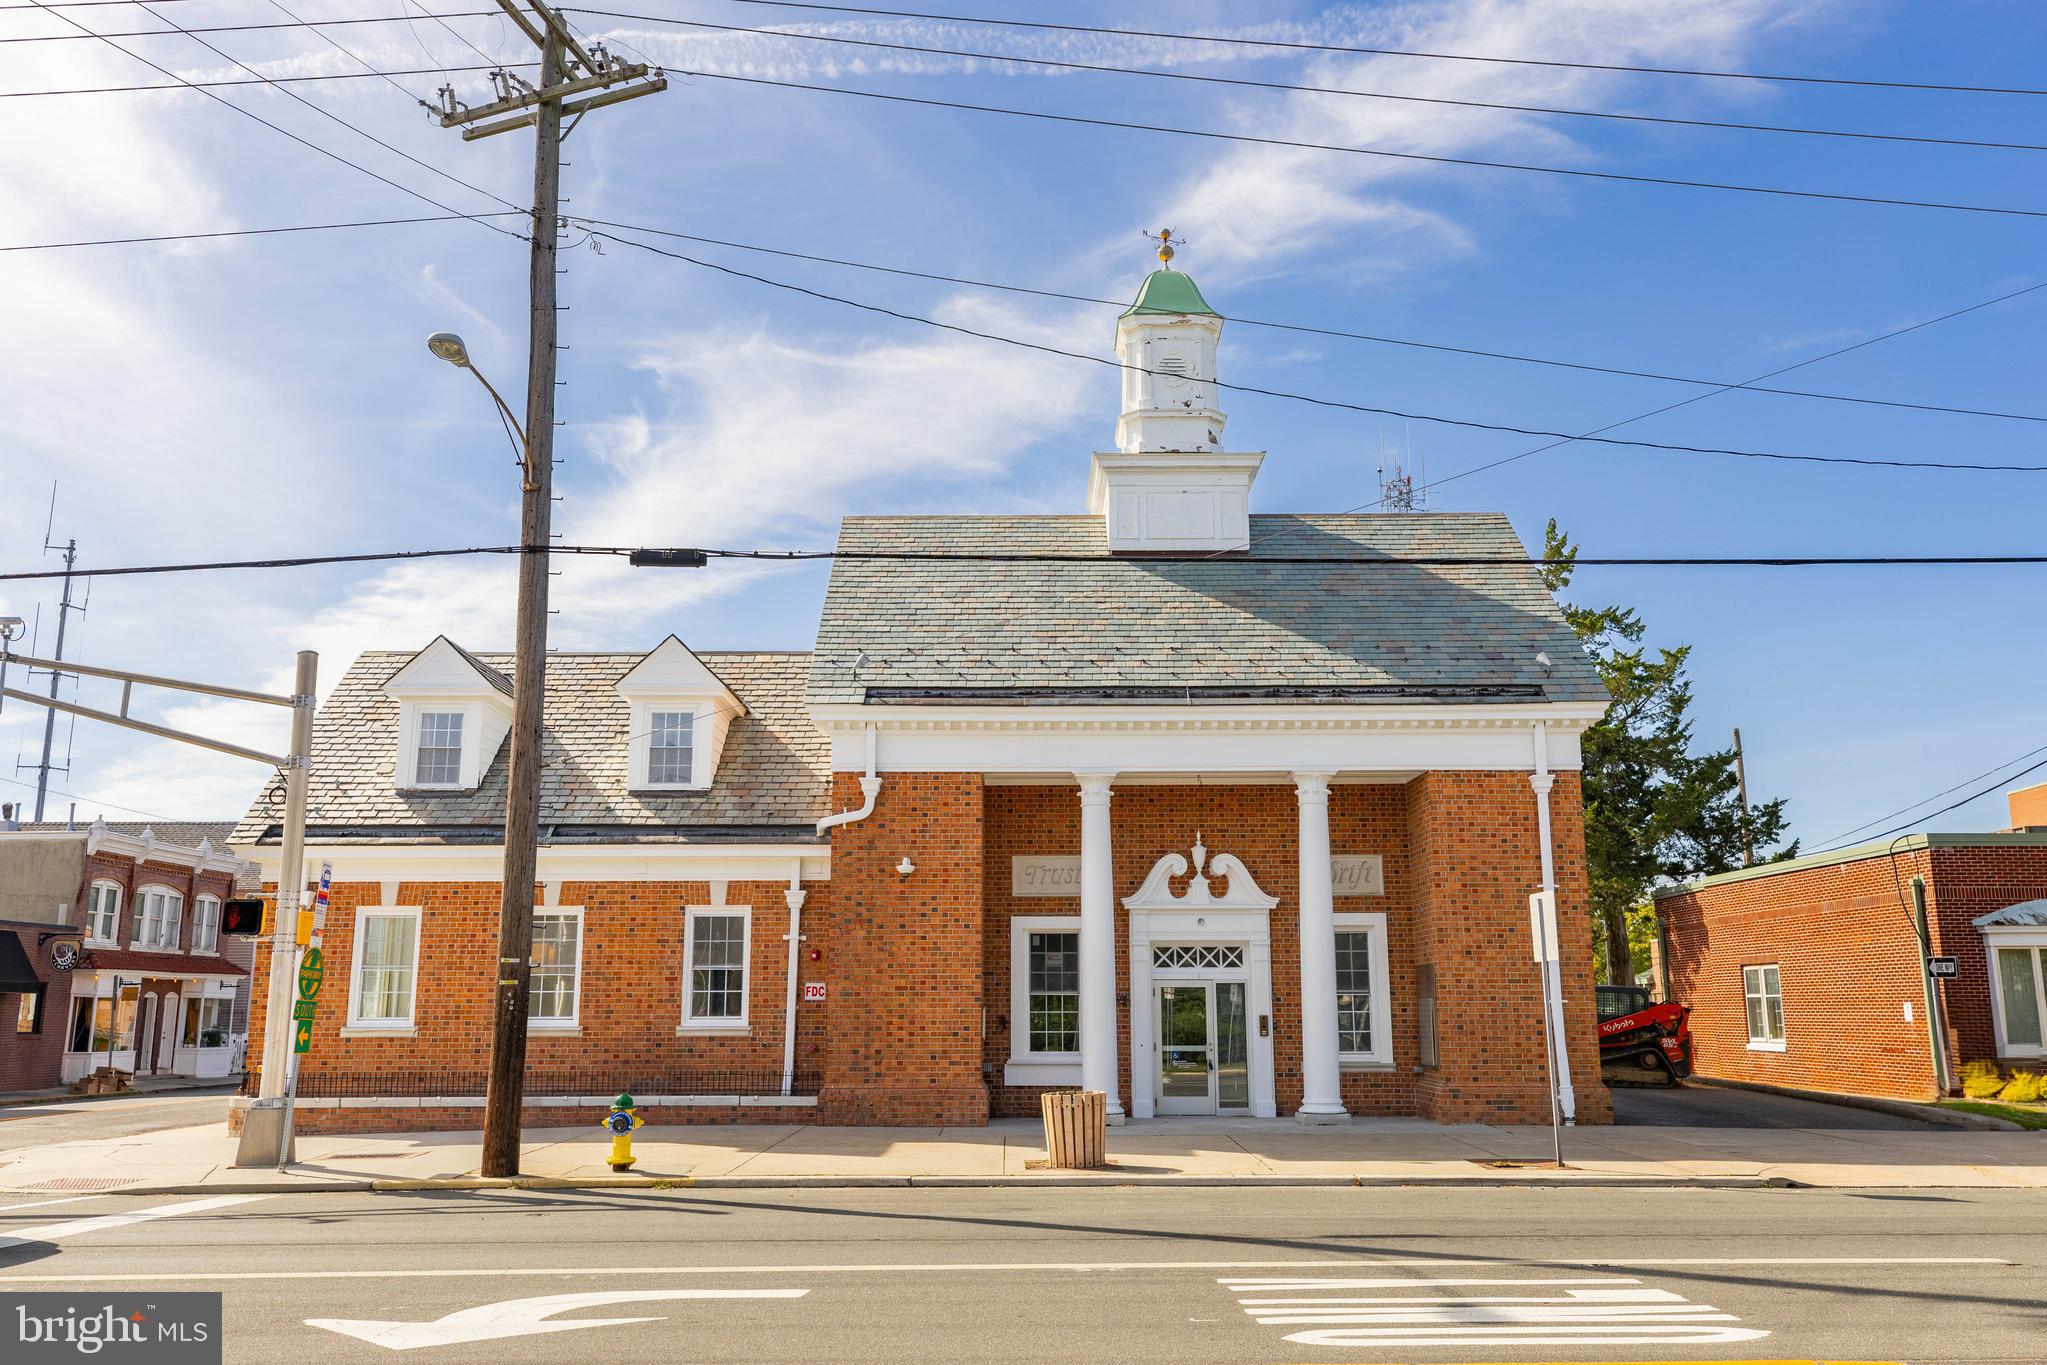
column 1715, row 1106
column 76, row 1120
column 1211, row 1274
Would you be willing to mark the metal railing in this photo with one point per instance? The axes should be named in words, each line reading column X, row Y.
column 754, row 1083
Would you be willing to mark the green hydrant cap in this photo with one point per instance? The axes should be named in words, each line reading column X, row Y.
column 622, row 1102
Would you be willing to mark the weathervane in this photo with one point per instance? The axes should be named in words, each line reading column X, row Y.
column 1164, row 239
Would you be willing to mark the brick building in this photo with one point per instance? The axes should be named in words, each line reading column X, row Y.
column 1807, row 974
column 121, row 960
column 1215, row 812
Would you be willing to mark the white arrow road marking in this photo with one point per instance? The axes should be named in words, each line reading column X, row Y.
column 1611, row 1312
column 524, row 1317
column 50, row 1232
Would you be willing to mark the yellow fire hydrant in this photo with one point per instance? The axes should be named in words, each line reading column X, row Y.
column 621, row 1121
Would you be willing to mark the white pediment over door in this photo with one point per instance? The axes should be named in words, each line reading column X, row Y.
column 1240, row 891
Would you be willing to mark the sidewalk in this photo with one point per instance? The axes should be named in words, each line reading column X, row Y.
column 1177, row 1151
column 144, row 1085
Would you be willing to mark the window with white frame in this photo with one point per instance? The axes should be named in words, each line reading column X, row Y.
column 206, row 925
column 714, row 967
column 555, row 985
column 386, row 968
column 1364, row 1023
column 157, row 913
column 1044, row 988
column 103, row 913
column 437, row 760
column 206, row 1021
column 671, row 743
column 2019, row 988
column 1762, row 988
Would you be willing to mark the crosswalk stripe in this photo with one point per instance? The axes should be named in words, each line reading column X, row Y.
column 51, row 1232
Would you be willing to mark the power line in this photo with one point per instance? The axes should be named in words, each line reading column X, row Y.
column 217, row 28
column 1837, row 840
column 1309, row 398
column 262, row 232
column 1400, row 52
column 1297, row 144
column 276, row 128
column 94, row 800
column 253, row 80
column 1362, row 561
column 1294, row 86
column 1951, row 806
column 1716, row 384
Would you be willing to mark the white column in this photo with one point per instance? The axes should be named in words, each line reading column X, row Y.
column 1321, row 1091
column 1097, row 941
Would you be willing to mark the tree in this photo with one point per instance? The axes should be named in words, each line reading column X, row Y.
column 1654, row 810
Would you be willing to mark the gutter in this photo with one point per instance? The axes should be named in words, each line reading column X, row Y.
column 870, row 787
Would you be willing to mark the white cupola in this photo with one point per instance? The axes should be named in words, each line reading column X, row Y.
column 1169, row 485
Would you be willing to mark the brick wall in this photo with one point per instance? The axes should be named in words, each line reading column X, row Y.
column 34, row 1061
column 1968, row 881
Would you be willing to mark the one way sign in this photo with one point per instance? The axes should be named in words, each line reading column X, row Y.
column 1940, row 966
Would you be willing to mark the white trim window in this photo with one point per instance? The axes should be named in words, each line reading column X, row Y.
column 671, row 748
column 2018, row 991
column 385, row 972
column 554, row 990
column 1364, row 1007
column 158, row 911
column 103, row 913
column 714, row 966
column 206, row 1021
column 1044, row 1000
column 437, row 755
column 206, row 925
column 1762, row 989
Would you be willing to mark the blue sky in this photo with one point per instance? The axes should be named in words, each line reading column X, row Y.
column 272, row 395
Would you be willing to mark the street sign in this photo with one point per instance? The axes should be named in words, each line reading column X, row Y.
column 1941, row 966
column 813, row 990
column 302, row 1035
column 1542, row 925
column 303, row 1009
column 312, row 970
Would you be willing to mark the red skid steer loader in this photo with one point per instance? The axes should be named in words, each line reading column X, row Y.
column 1642, row 1043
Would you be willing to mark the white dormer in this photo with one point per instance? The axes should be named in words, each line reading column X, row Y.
column 454, row 712
column 1169, row 486
column 677, row 716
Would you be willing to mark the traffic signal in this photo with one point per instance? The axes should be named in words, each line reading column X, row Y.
column 242, row 917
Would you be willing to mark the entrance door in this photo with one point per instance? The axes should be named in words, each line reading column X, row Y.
column 1187, row 1048
column 167, row 1034
column 145, row 1037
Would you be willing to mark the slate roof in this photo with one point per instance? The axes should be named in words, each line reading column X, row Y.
column 772, row 781
column 1272, row 625
column 182, row 833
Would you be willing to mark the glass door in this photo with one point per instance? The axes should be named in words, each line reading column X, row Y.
column 1186, row 1048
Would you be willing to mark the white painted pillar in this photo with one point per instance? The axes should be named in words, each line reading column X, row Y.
column 1097, row 941
column 1542, row 779
column 1321, row 1089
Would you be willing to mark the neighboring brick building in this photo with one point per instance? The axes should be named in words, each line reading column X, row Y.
column 1807, row 973
column 1218, row 813
column 155, row 988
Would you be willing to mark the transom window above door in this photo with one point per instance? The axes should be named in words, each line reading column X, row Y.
column 1197, row 956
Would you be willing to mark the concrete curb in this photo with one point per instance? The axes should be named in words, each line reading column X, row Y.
column 1907, row 1109
column 225, row 1088
column 1076, row 1180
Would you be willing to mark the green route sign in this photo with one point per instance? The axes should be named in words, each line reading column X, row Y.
column 312, row 970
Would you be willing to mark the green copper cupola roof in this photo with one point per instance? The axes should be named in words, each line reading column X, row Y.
column 1168, row 291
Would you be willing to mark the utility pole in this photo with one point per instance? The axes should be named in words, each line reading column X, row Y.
column 595, row 78
column 64, row 610
column 1748, row 852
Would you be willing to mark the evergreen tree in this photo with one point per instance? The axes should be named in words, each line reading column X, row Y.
column 1654, row 810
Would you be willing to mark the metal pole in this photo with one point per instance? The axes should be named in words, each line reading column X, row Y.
column 506, row 1094
column 1748, row 852
column 1936, row 1023
column 1543, row 950
column 50, row 716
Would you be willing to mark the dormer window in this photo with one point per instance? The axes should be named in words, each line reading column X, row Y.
column 439, row 759
column 669, row 749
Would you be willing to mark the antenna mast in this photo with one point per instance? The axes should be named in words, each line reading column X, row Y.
column 65, row 606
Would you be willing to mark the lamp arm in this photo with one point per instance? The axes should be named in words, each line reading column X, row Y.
column 502, row 405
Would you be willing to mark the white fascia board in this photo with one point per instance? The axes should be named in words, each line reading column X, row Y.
column 137, row 849
column 564, row 862
column 1209, row 740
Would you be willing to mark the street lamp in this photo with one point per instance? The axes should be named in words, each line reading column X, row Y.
column 449, row 347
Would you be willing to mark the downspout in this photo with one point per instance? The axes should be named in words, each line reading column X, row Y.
column 870, row 787
column 794, row 895
column 1552, row 972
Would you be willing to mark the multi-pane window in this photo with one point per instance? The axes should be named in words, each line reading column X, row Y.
column 206, row 925
column 716, row 966
column 557, row 961
column 1353, row 993
column 103, row 913
column 156, row 924
column 386, row 961
column 1054, row 967
column 206, row 1022
column 439, row 759
column 1763, row 991
column 670, row 744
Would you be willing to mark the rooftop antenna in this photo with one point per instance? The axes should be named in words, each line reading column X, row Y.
column 1397, row 492
column 65, row 606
